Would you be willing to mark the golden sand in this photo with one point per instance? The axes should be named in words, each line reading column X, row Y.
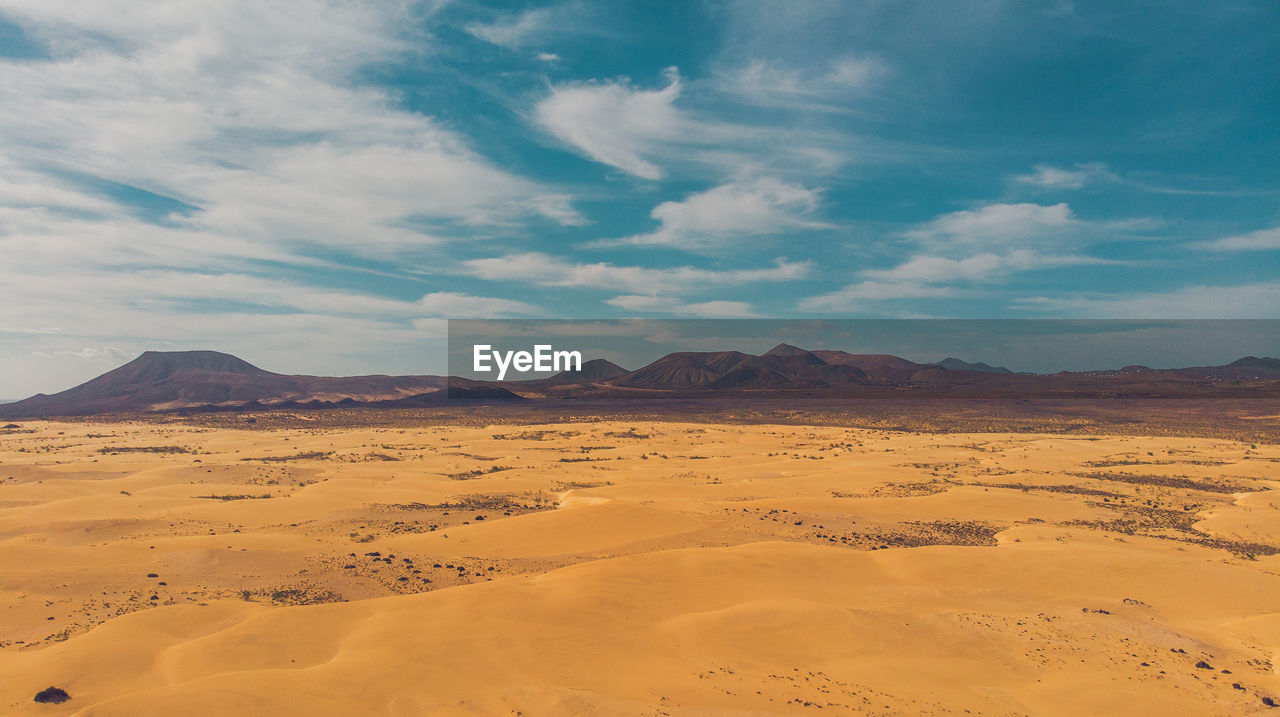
column 637, row 568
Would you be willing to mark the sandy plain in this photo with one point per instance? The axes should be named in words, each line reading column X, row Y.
column 635, row 567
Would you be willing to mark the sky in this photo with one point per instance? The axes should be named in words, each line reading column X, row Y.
column 318, row 186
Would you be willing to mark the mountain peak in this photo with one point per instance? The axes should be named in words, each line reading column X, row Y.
column 955, row 364
column 786, row 350
column 592, row 371
column 153, row 365
column 1256, row 361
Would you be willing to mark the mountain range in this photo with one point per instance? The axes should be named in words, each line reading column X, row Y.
column 211, row 381
column 790, row 370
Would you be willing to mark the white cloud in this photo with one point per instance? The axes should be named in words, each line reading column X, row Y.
column 615, row 123
column 997, row 225
column 665, row 305
column 252, row 113
column 1261, row 240
column 1244, row 301
column 545, row 270
column 980, row 267
column 463, row 306
column 548, row 57
column 726, row 214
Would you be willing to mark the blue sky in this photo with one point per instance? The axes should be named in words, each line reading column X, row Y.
column 316, row 186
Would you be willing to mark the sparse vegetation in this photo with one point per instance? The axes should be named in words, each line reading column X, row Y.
column 236, row 496
column 292, row 595
column 1182, row 482
column 479, row 472
column 143, row 449
column 52, row 695
column 629, row 433
column 308, row 456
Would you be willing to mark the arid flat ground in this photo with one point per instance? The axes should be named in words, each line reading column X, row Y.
column 636, row 567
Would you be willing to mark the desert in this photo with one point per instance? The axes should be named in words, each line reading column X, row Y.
column 503, row 561
column 709, row 358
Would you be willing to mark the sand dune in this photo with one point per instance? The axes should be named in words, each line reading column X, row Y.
column 634, row 568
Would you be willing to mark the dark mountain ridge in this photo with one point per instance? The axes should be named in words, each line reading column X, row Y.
column 955, row 364
column 214, row 381
column 593, row 370
column 831, row 373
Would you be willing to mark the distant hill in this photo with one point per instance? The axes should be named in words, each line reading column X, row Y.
column 1247, row 368
column 683, row 370
column 212, row 381
column 955, row 364
column 865, row 361
column 784, row 367
column 829, row 373
column 165, row 380
column 595, row 370
column 788, row 367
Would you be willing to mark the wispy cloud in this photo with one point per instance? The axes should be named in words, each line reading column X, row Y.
column 960, row 250
column 545, row 270
column 155, row 290
column 1242, row 301
column 643, row 132
column 1047, row 178
column 1261, row 240
column 936, row 277
column 540, row 27
column 642, row 303
column 515, row 29
column 1076, row 177
column 774, row 83
column 455, row 305
column 109, row 353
